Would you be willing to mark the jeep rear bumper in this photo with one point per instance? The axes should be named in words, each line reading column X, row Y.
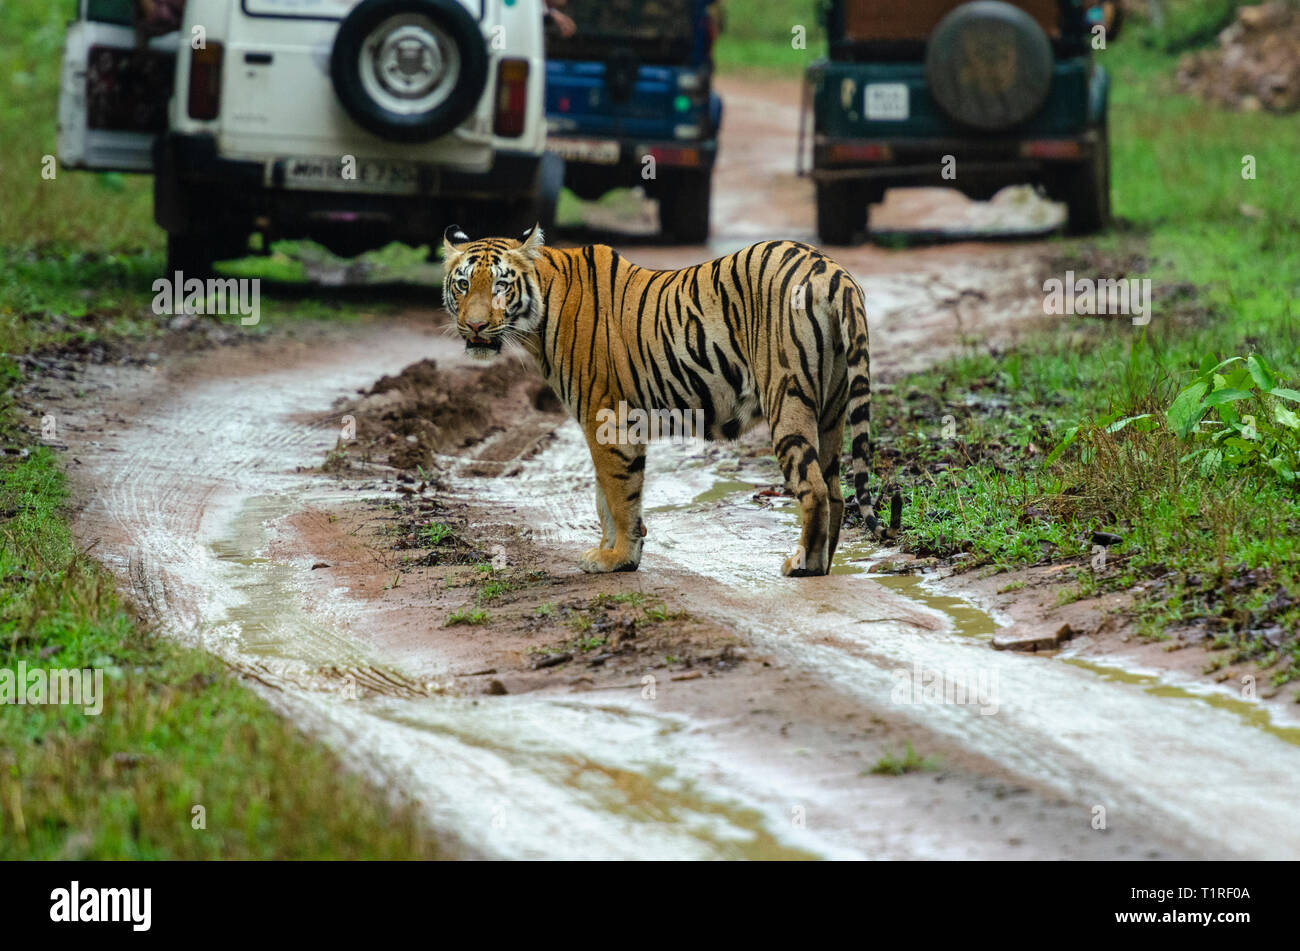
column 197, row 191
column 193, row 159
column 926, row 161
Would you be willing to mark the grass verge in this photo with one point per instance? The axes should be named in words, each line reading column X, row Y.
column 1187, row 505
column 183, row 762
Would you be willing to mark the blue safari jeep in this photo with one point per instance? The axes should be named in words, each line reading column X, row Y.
column 974, row 96
column 630, row 101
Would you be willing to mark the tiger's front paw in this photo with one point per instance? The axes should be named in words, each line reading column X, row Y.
column 602, row 560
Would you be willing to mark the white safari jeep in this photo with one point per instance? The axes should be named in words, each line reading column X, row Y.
column 349, row 122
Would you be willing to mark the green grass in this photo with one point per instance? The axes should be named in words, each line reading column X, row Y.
column 906, row 762
column 436, row 533
column 759, row 35
column 468, row 616
column 1212, row 548
column 176, row 731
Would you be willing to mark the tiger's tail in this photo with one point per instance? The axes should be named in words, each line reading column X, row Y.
column 853, row 325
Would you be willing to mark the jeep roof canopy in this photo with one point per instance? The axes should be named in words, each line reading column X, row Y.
column 658, row 31
column 885, row 29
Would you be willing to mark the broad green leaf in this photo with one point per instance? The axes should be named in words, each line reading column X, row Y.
column 1279, row 465
column 1260, row 372
column 1210, row 462
column 1228, row 395
column 1240, row 378
column 1282, row 391
column 1286, row 417
column 1071, row 435
column 1187, row 410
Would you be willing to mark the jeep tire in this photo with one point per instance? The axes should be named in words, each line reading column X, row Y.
column 840, row 216
column 409, row 70
column 989, row 65
column 684, row 205
column 1085, row 189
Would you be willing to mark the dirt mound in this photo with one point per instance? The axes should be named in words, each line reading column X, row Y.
column 1256, row 65
column 404, row 420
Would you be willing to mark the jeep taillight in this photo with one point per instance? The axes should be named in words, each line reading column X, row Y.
column 512, row 97
column 205, row 81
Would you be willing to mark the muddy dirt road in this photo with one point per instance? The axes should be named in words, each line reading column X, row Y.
column 197, row 482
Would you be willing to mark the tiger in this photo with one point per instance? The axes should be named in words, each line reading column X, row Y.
column 775, row 333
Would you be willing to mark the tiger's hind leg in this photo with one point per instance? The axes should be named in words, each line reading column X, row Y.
column 620, row 472
column 830, row 443
column 795, row 441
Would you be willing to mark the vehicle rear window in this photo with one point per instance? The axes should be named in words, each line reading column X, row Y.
column 320, row 9
column 877, row 21
column 315, row 9
column 110, row 11
column 658, row 31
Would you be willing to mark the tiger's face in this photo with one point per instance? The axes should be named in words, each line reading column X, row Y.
column 489, row 287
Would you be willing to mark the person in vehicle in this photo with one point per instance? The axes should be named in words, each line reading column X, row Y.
column 158, row 17
column 563, row 22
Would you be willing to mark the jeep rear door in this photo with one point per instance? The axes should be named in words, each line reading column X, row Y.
column 113, row 94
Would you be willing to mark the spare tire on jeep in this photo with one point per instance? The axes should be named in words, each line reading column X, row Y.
column 989, row 65
column 409, row 70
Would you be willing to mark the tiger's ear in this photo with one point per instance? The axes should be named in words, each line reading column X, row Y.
column 453, row 242
column 531, row 241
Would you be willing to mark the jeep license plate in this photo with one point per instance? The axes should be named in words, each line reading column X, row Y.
column 592, row 151
column 886, row 101
column 365, row 175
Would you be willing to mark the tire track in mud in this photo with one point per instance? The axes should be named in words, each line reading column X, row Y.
column 193, row 490
column 1193, row 770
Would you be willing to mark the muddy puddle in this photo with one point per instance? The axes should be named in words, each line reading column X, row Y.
column 191, row 503
column 1090, row 735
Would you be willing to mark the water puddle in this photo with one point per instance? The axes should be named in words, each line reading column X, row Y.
column 965, row 619
column 1252, row 714
column 507, row 770
column 586, row 776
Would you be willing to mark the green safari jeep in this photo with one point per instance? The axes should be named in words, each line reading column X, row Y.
column 973, row 96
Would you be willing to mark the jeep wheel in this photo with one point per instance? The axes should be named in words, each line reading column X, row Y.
column 989, row 65
column 409, row 70
column 1086, row 192
column 195, row 255
column 839, row 215
column 192, row 255
column 684, row 205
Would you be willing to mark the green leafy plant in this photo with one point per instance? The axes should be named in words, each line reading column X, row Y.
column 436, row 533
column 467, row 616
column 1208, row 413
column 908, row 762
